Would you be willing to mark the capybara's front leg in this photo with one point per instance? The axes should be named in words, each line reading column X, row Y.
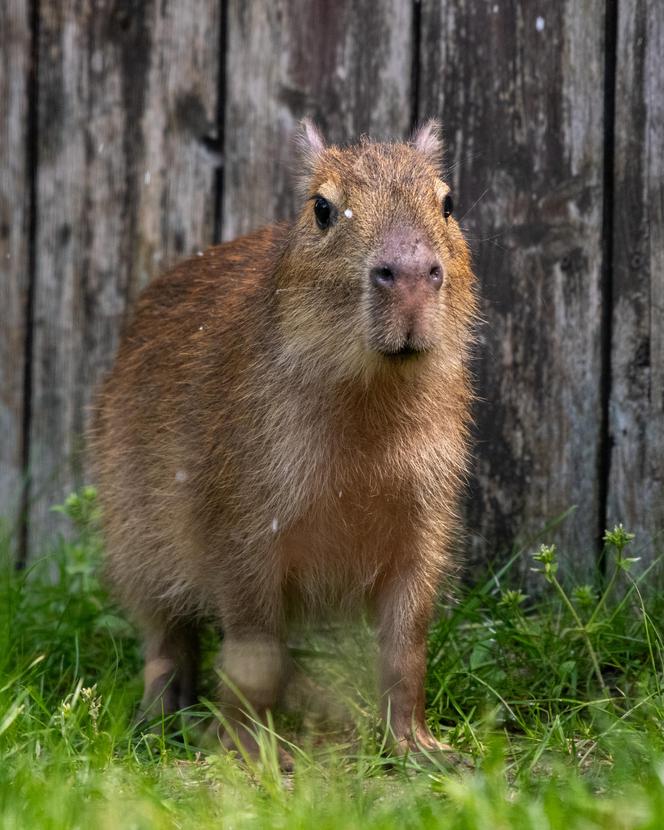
column 252, row 662
column 251, row 668
column 404, row 612
column 252, row 671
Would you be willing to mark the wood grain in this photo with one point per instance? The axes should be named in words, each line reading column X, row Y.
column 636, row 480
column 127, row 180
column 519, row 87
column 15, row 57
column 126, row 184
column 346, row 64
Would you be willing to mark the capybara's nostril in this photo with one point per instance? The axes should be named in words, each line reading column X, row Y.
column 382, row 276
column 436, row 276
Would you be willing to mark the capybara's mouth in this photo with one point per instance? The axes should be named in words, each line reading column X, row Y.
column 406, row 352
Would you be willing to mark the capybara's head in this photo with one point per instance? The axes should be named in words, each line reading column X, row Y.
column 378, row 272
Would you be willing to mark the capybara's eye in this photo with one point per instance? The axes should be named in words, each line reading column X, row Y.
column 323, row 212
column 448, row 206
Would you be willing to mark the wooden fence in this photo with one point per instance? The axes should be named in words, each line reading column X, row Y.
column 133, row 132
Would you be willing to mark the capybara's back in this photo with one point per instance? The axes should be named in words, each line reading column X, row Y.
column 285, row 430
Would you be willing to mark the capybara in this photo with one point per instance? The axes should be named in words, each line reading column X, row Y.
column 285, row 432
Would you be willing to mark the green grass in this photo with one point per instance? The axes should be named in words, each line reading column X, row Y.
column 557, row 700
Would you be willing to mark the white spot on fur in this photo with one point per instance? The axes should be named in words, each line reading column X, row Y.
column 181, row 475
column 340, row 494
column 199, row 253
column 200, row 328
column 540, row 23
column 275, row 525
column 348, row 213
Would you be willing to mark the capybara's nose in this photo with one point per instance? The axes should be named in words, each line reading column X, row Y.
column 406, row 261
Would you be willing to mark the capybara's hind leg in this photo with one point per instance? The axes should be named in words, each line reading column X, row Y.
column 171, row 666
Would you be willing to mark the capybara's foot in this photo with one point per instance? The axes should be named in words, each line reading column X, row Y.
column 420, row 740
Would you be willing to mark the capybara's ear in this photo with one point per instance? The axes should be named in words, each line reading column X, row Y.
column 310, row 143
column 428, row 140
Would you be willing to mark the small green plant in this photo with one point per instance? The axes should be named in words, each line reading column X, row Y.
column 546, row 556
column 82, row 509
column 554, row 671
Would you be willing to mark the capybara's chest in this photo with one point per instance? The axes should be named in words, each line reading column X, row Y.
column 349, row 540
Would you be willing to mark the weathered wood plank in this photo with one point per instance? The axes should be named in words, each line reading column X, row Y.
column 127, row 93
column 636, row 481
column 15, row 57
column 519, row 87
column 346, row 64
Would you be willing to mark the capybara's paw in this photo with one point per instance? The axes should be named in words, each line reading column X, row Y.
column 420, row 740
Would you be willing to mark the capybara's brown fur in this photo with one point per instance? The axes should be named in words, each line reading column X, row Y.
column 285, row 429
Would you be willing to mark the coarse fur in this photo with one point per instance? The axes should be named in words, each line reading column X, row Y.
column 279, row 435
